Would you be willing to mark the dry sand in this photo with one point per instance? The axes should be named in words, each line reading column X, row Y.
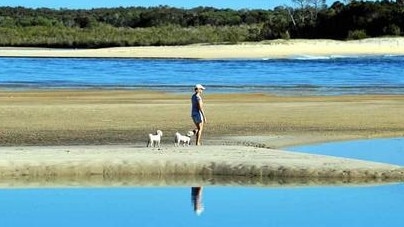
column 49, row 138
column 267, row 49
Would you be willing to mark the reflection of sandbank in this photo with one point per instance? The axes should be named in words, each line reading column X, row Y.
column 193, row 164
column 182, row 181
column 267, row 49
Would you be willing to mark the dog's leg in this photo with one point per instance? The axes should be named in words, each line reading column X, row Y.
column 150, row 141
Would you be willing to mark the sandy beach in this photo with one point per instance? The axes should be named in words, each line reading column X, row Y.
column 267, row 49
column 98, row 137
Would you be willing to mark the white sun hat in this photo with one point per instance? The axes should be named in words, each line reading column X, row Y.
column 199, row 86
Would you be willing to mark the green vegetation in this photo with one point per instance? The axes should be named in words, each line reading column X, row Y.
column 164, row 25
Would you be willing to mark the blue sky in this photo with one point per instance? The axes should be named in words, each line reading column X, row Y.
column 88, row 4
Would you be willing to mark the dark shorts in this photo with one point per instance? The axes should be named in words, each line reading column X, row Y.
column 197, row 118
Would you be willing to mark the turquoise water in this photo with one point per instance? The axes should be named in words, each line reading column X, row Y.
column 302, row 75
column 388, row 150
column 223, row 206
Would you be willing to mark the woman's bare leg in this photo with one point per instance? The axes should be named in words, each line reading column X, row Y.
column 198, row 135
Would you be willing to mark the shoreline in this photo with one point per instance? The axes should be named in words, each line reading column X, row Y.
column 274, row 49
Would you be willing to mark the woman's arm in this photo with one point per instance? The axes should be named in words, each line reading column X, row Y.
column 200, row 107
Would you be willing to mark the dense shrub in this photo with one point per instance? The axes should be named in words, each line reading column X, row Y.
column 163, row 25
column 357, row 34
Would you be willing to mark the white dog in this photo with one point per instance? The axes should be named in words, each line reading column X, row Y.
column 155, row 139
column 183, row 139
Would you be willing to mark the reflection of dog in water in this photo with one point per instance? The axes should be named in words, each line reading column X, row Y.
column 155, row 139
column 183, row 139
column 196, row 197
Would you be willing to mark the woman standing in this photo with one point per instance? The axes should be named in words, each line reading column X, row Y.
column 198, row 113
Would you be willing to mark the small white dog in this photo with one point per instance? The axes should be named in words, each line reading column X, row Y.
column 155, row 139
column 183, row 139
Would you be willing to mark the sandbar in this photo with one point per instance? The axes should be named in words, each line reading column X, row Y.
column 59, row 137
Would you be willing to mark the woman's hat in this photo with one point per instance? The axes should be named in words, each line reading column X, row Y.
column 199, row 86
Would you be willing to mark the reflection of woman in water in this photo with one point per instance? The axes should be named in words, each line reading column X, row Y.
column 196, row 197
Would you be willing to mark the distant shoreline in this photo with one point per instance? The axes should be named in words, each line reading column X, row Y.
column 274, row 49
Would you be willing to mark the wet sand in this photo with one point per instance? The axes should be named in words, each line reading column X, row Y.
column 93, row 117
column 49, row 135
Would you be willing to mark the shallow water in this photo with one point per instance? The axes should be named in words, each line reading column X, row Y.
column 302, row 75
column 387, row 150
column 379, row 205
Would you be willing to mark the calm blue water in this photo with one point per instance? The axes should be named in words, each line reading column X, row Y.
column 223, row 206
column 388, row 150
column 299, row 76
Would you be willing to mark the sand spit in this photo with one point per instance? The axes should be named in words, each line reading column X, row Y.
column 182, row 165
column 266, row 49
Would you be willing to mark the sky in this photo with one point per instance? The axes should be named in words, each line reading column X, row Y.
column 88, row 4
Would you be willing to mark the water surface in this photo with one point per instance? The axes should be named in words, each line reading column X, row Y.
column 387, row 150
column 296, row 76
column 223, row 206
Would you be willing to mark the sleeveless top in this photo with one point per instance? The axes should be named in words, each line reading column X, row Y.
column 195, row 100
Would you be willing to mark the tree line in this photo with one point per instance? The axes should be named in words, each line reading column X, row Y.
column 164, row 25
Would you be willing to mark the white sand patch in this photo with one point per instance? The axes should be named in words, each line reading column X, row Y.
column 267, row 49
